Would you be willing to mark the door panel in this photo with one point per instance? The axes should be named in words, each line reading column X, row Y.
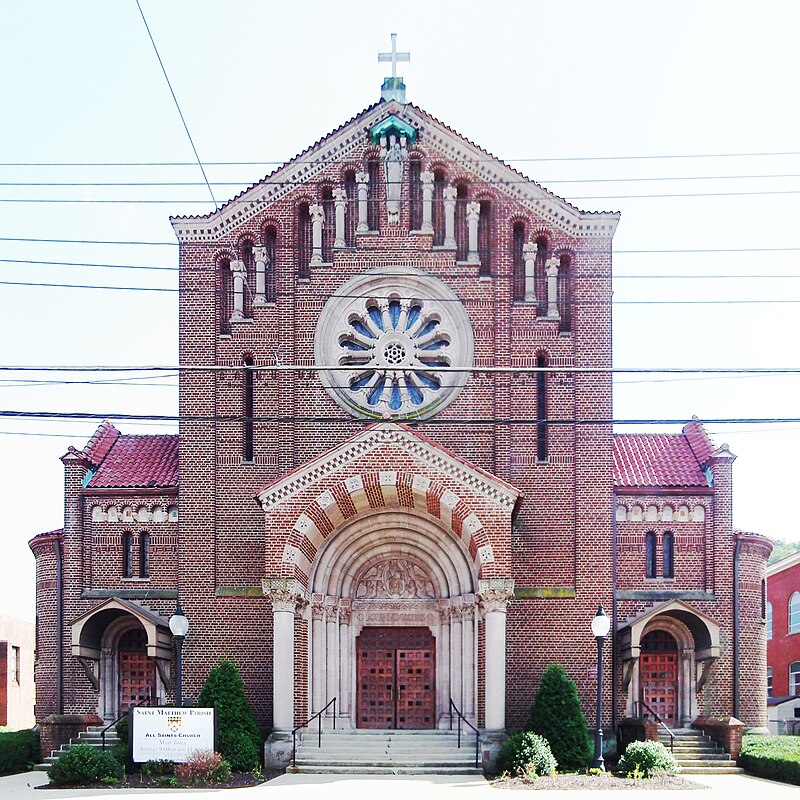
column 137, row 679
column 396, row 678
column 659, row 679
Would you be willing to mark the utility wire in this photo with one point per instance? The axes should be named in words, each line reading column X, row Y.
column 177, row 105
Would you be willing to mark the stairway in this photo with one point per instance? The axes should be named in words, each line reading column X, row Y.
column 377, row 752
column 90, row 736
column 697, row 754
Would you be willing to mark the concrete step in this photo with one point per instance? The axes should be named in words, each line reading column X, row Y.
column 716, row 770
column 386, row 770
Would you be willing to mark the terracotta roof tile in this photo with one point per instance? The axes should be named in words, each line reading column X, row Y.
column 700, row 442
column 656, row 460
column 138, row 462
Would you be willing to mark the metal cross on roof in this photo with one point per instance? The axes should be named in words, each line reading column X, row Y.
column 394, row 56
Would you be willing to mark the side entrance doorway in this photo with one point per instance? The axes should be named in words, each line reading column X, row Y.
column 137, row 672
column 396, row 678
column 659, row 675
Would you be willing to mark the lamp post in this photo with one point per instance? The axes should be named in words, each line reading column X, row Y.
column 179, row 626
column 600, row 627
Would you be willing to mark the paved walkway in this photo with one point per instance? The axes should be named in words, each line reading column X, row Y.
column 402, row 787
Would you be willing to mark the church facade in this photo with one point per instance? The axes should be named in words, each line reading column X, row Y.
column 396, row 482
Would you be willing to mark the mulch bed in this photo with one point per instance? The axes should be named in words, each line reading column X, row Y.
column 589, row 782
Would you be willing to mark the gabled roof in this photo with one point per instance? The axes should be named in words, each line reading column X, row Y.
column 338, row 146
column 656, row 460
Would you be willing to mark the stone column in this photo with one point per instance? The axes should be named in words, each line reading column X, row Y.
column 494, row 597
column 260, row 254
column 456, row 651
column 340, row 204
column 317, row 221
column 285, row 594
column 362, row 181
column 687, row 662
column 529, row 254
column 450, row 217
column 345, row 677
column 443, row 662
column 317, row 653
column 427, row 201
column 237, row 268
column 552, row 288
column 468, row 659
column 473, row 216
column 331, row 651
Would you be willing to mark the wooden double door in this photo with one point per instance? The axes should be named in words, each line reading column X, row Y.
column 396, row 678
column 137, row 672
column 658, row 672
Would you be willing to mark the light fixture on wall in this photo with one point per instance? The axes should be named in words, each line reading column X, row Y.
column 179, row 626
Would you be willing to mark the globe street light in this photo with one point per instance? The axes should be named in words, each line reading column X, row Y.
column 600, row 627
column 179, row 626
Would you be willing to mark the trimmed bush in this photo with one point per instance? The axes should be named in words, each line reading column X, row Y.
column 239, row 737
column 203, row 767
column 557, row 715
column 83, row 764
column 526, row 754
column 646, row 759
column 19, row 751
column 775, row 757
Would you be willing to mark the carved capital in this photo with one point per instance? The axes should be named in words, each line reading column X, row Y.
column 473, row 211
column 529, row 250
column 340, row 196
column 345, row 611
column 362, row 177
column 285, row 593
column 426, row 176
column 495, row 594
column 237, row 267
column 260, row 253
column 449, row 194
column 317, row 213
column 551, row 266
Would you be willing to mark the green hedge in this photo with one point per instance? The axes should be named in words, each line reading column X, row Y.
column 776, row 757
column 19, row 751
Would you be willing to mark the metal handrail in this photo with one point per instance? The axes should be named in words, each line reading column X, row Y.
column 144, row 702
column 454, row 707
column 317, row 716
column 662, row 723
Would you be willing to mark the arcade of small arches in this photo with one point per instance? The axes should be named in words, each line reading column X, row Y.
column 666, row 512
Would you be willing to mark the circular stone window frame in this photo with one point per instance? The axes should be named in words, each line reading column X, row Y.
column 353, row 299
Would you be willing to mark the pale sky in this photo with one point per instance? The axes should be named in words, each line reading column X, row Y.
column 575, row 85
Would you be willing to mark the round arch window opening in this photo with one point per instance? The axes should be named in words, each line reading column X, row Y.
column 400, row 333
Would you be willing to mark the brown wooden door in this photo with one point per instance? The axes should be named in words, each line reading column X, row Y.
column 658, row 671
column 396, row 678
column 137, row 678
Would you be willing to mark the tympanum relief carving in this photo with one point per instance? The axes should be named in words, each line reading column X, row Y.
column 394, row 579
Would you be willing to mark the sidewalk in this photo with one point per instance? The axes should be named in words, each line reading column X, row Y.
column 401, row 787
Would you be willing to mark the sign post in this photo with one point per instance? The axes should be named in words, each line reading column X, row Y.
column 170, row 733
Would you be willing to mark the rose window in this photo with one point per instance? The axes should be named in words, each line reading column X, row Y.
column 395, row 333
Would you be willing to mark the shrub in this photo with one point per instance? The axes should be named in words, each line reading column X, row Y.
column 239, row 737
column 19, row 751
column 776, row 757
column 557, row 715
column 123, row 729
column 159, row 768
column 645, row 759
column 526, row 754
column 83, row 764
column 204, row 766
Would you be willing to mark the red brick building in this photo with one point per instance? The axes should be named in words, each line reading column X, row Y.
column 783, row 641
column 396, row 454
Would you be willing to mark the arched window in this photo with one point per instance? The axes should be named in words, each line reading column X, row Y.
column 541, row 409
column 415, row 193
column 518, row 260
column 462, row 229
column 127, row 554
column 351, row 209
column 768, row 620
column 651, row 558
column 769, row 682
column 144, row 555
column 271, row 246
column 303, row 241
column 565, row 293
column 373, row 201
column 540, row 279
column 794, row 678
column 329, row 226
column 247, row 411
column 248, row 290
column 438, row 208
column 485, row 238
column 225, row 295
column 668, row 545
column 794, row 613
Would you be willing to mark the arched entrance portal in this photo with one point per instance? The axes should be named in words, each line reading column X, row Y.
column 137, row 672
column 393, row 623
